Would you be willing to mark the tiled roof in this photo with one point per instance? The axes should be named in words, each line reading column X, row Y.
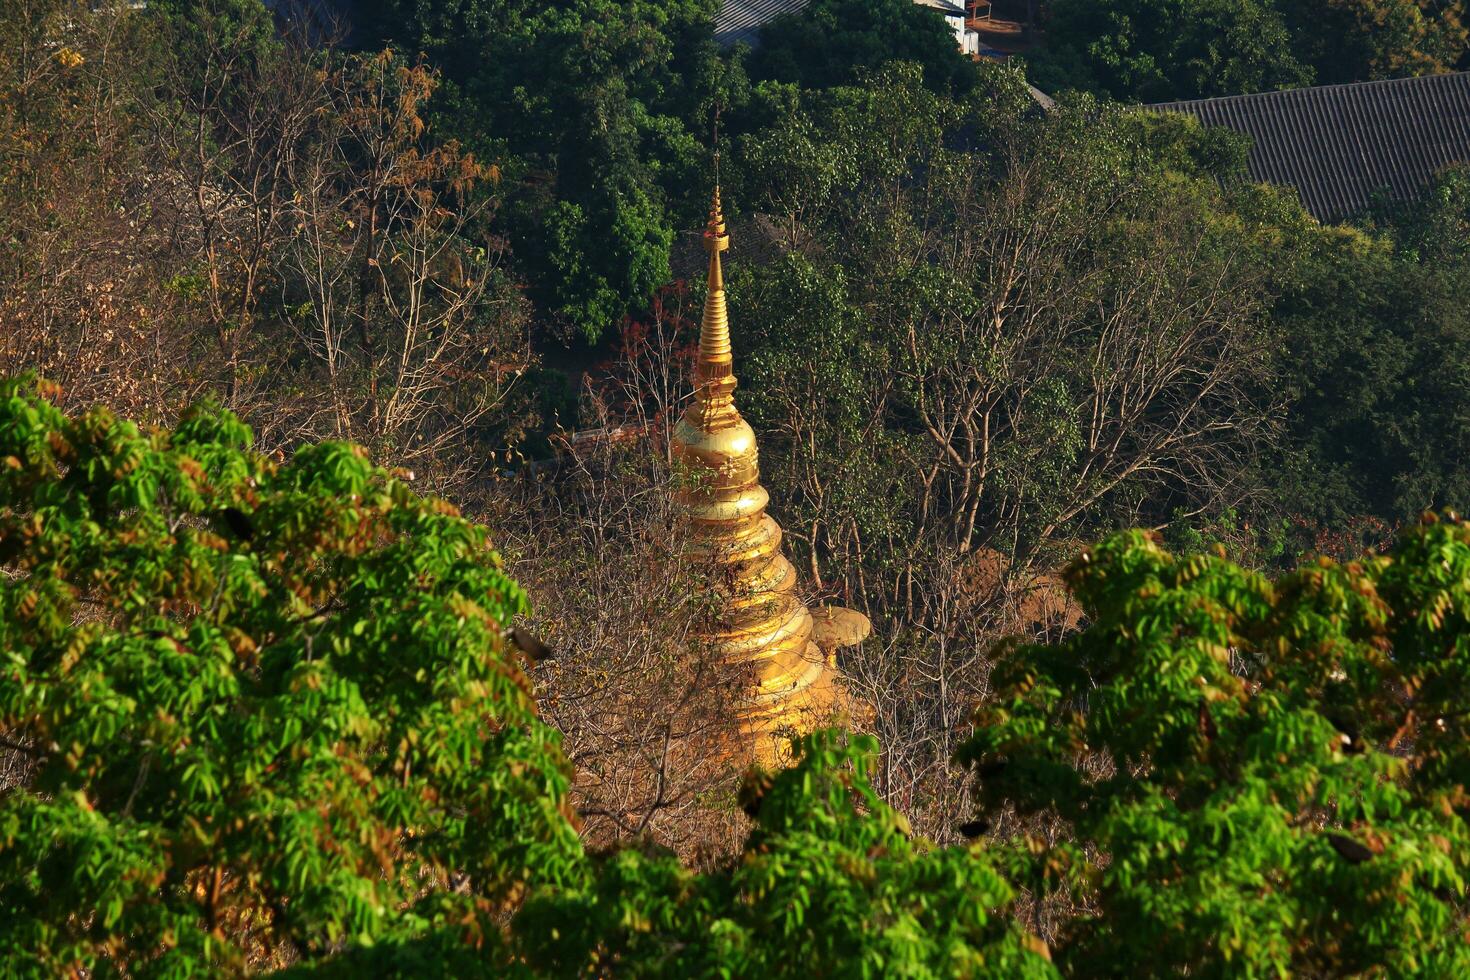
column 1338, row 144
column 741, row 20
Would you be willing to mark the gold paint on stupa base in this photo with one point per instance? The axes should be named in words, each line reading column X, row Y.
column 762, row 622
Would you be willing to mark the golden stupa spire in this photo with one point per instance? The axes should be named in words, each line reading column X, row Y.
column 762, row 622
column 715, row 366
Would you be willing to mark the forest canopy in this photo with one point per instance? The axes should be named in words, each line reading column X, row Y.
column 347, row 618
column 1147, row 51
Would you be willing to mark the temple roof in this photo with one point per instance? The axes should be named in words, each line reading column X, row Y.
column 1338, row 145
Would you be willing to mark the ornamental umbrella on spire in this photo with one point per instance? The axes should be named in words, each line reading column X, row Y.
column 761, row 621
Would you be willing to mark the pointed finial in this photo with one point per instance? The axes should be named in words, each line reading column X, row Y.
column 715, row 144
column 715, row 364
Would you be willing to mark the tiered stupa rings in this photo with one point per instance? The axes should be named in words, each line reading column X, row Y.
column 762, row 622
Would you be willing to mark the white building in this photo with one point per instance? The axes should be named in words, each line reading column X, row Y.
column 955, row 16
column 742, row 20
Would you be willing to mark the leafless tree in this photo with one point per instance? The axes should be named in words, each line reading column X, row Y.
column 650, row 716
column 409, row 318
column 236, row 119
column 1005, row 348
column 83, row 267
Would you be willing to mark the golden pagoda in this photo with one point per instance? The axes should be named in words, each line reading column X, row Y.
column 762, row 621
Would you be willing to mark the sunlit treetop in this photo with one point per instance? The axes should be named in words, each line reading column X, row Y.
column 1260, row 778
column 251, row 712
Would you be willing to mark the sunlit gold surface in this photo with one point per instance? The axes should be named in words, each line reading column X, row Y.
column 762, row 622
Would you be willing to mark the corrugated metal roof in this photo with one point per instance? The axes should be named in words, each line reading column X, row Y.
column 1042, row 99
column 1339, row 144
column 742, row 20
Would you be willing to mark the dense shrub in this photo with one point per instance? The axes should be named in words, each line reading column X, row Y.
column 253, row 711
column 831, row 883
column 1254, row 778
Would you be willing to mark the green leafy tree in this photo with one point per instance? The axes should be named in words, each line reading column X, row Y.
column 1252, row 778
column 971, row 281
column 1436, row 227
column 250, row 712
column 597, row 111
column 837, row 42
column 831, row 883
column 802, row 325
column 1355, row 41
column 1377, row 329
column 1160, row 50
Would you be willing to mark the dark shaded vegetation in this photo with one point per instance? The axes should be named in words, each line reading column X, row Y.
column 1152, row 51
